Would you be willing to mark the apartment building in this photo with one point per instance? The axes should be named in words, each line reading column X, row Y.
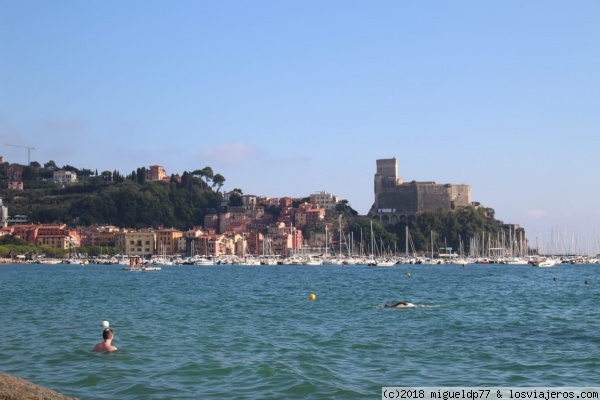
column 168, row 241
column 324, row 200
column 142, row 243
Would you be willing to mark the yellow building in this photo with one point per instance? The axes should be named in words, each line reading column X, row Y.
column 54, row 241
column 136, row 243
column 168, row 241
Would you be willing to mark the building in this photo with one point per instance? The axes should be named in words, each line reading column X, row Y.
column 14, row 185
column 142, row 243
column 209, row 245
column 156, row 173
column 168, row 241
column 307, row 214
column 57, row 237
column 324, row 200
column 399, row 201
column 62, row 177
column 3, row 215
column 98, row 235
column 249, row 200
column 14, row 174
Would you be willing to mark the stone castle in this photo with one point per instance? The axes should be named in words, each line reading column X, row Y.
column 399, row 201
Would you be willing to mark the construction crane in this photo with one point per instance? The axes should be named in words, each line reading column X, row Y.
column 23, row 147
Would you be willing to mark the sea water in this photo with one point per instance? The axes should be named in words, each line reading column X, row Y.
column 252, row 332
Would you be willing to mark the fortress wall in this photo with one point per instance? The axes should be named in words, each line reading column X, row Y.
column 461, row 195
column 433, row 196
column 403, row 199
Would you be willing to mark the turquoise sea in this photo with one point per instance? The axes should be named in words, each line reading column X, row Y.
column 252, row 333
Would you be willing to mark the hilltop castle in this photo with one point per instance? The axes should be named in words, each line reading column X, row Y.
column 399, row 201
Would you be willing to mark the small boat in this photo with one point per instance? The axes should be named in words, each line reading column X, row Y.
column 204, row 261
column 516, row 261
column 545, row 263
column 385, row 263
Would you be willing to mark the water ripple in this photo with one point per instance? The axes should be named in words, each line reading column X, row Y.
column 218, row 332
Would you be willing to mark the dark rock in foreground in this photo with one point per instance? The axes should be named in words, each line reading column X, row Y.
column 15, row 388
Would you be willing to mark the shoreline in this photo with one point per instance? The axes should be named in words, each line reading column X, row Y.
column 14, row 387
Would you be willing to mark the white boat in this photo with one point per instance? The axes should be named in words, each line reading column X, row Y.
column 249, row 261
column 313, row 261
column 516, row 261
column 204, row 261
column 545, row 263
column 161, row 259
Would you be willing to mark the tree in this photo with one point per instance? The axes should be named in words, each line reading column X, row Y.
column 344, row 208
column 50, row 165
column 218, row 181
column 87, row 172
column 141, row 175
column 107, row 176
column 70, row 168
column 235, row 200
column 208, row 174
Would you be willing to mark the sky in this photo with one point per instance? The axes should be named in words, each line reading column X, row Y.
column 290, row 98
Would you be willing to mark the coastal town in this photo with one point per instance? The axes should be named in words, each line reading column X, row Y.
column 240, row 239
column 235, row 235
column 242, row 232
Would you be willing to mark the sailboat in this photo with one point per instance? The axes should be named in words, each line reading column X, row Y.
column 162, row 258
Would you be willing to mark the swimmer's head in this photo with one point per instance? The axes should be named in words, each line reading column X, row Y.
column 108, row 333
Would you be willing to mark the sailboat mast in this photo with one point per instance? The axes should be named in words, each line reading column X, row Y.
column 406, row 234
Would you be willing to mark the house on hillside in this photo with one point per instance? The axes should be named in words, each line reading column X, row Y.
column 62, row 177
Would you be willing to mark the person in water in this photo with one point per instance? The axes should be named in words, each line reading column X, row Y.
column 108, row 336
column 398, row 304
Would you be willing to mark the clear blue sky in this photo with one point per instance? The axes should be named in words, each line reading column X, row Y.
column 287, row 98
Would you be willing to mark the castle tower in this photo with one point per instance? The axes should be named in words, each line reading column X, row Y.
column 388, row 167
column 386, row 177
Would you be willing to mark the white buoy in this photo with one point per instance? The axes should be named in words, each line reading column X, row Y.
column 105, row 324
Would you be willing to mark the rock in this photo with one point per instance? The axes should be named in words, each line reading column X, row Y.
column 15, row 388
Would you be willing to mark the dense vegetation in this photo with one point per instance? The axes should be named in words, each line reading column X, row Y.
column 111, row 199
column 436, row 229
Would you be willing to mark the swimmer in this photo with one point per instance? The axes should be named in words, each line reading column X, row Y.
column 108, row 336
column 398, row 304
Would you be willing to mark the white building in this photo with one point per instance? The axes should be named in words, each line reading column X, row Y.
column 324, row 200
column 63, row 177
column 3, row 215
